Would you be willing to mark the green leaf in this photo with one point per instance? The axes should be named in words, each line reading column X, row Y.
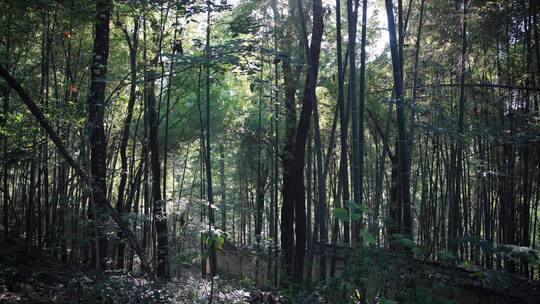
column 368, row 237
column 480, row 274
column 219, row 244
column 364, row 208
column 405, row 242
column 418, row 251
column 341, row 214
column 353, row 205
column 446, row 256
column 355, row 216
column 220, row 240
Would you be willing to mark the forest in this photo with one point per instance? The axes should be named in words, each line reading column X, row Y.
column 270, row 151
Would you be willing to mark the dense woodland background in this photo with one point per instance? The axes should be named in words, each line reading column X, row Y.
column 144, row 138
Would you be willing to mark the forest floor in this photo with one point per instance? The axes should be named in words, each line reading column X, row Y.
column 43, row 279
column 40, row 278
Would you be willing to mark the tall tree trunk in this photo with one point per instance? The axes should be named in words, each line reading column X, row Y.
column 45, row 74
column 275, row 158
column 415, row 74
column 98, row 144
column 342, row 174
column 311, row 234
column 352, row 104
column 175, row 48
column 223, row 189
column 344, row 112
column 158, row 203
column 5, row 175
column 287, row 156
column 404, row 164
column 308, row 104
column 211, row 220
column 361, row 104
column 133, row 43
column 260, row 185
column 457, row 162
column 5, row 162
column 202, row 160
column 30, row 206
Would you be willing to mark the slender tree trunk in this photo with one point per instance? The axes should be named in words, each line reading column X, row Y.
column 175, row 48
column 457, row 161
column 98, row 144
column 288, row 208
column 344, row 112
column 202, row 159
column 308, row 105
column 404, row 164
column 133, row 43
column 343, row 137
column 259, row 186
column 30, row 206
column 5, row 162
column 223, row 189
column 158, row 203
column 275, row 158
column 211, row 220
column 361, row 104
column 311, row 234
column 159, row 212
column 354, row 110
column 45, row 148
column 415, row 74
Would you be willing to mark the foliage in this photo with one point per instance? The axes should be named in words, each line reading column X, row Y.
column 377, row 276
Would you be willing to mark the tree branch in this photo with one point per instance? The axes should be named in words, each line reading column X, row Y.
column 38, row 114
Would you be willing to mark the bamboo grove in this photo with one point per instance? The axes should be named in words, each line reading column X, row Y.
column 146, row 135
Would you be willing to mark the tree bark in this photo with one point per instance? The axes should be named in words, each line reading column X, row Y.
column 361, row 105
column 404, row 164
column 133, row 43
column 5, row 162
column 308, row 104
column 211, row 220
column 287, row 156
column 355, row 161
column 98, row 144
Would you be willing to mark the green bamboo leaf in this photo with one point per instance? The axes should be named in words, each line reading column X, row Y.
column 353, row 205
column 355, row 216
column 368, row 237
column 341, row 214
